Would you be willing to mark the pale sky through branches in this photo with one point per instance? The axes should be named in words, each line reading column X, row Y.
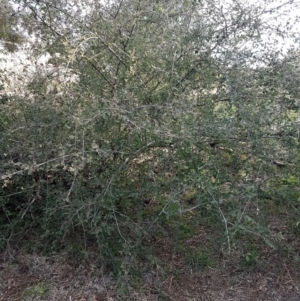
column 270, row 40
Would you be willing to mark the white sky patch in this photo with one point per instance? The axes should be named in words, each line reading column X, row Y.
column 18, row 69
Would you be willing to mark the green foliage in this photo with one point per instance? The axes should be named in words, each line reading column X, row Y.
column 198, row 259
column 251, row 257
column 170, row 116
column 38, row 290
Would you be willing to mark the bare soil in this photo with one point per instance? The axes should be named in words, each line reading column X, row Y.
column 34, row 277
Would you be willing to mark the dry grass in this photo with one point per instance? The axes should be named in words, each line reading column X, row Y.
column 33, row 277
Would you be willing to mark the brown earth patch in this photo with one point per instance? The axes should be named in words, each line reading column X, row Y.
column 277, row 279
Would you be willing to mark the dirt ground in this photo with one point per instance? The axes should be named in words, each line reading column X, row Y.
column 33, row 277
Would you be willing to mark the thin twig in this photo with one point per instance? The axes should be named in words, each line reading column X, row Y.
column 35, row 166
column 119, row 231
column 227, row 233
column 225, row 222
